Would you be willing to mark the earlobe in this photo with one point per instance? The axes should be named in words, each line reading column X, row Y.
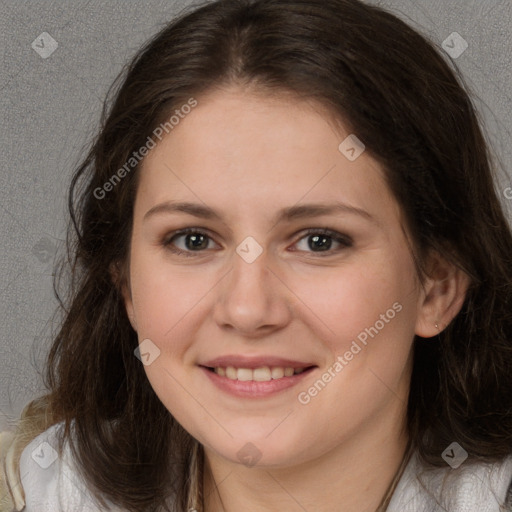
column 128, row 303
column 122, row 283
column 444, row 294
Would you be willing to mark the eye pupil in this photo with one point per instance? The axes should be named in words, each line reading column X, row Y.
column 197, row 241
column 323, row 242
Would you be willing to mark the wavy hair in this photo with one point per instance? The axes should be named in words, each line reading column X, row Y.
column 386, row 83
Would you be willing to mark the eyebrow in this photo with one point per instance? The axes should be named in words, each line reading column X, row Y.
column 286, row 214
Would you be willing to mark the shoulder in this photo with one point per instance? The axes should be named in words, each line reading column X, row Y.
column 47, row 481
column 486, row 487
column 11, row 492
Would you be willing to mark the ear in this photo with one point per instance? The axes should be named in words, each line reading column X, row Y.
column 122, row 282
column 442, row 298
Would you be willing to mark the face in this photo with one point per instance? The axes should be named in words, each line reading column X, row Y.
column 267, row 284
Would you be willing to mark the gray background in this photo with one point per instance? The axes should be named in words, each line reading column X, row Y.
column 50, row 110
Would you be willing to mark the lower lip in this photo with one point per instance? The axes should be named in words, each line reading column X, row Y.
column 255, row 389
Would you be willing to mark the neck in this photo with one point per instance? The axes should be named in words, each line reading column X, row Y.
column 355, row 476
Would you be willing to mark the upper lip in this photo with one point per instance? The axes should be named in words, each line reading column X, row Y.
column 253, row 362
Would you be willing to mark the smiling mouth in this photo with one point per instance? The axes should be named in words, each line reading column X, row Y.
column 262, row 374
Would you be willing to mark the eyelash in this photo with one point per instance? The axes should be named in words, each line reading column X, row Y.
column 344, row 240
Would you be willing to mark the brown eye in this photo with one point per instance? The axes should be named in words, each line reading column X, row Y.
column 322, row 240
column 187, row 241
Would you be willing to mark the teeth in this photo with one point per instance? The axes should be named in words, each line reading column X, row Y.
column 231, row 373
column 262, row 374
column 244, row 374
column 277, row 373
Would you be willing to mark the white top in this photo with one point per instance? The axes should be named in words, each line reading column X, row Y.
column 53, row 485
column 468, row 488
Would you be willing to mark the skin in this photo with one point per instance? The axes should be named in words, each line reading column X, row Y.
column 247, row 156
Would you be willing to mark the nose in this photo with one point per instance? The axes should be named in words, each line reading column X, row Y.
column 252, row 299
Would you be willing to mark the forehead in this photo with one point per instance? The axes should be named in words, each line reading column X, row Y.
column 261, row 152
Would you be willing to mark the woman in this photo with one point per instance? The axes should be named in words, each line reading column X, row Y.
column 292, row 281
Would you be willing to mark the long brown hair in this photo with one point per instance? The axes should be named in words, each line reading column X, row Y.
column 384, row 82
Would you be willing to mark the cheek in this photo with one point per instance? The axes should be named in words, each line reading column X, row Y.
column 365, row 316
column 166, row 302
column 344, row 301
column 164, row 294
